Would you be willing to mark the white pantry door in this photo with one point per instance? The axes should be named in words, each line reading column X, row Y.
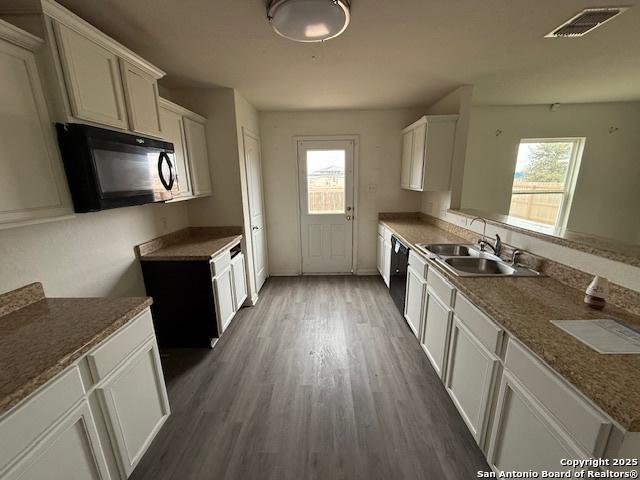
column 326, row 205
column 253, row 165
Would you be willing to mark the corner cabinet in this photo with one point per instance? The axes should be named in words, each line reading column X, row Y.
column 32, row 185
column 427, row 151
column 110, row 404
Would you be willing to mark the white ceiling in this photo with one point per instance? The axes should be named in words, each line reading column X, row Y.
column 395, row 52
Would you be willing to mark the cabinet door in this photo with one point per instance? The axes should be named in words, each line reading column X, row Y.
column 196, row 137
column 524, row 436
column 386, row 264
column 32, row 183
column 223, row 291
column 469, row 380
column 71, row 450
column 136, row 406
column 435, row 335
column 380, row 256
column 173, row 131
column 141, row 92
column 415, row 301
column 418, row 157
column 93, row 79
column 239, row 277
column 407, row 154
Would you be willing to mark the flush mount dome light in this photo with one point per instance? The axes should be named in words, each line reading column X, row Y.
column 309, row 20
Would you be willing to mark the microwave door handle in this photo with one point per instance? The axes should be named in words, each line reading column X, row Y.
column 168, row 185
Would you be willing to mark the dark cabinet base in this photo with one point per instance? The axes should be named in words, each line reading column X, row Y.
column 184, row 311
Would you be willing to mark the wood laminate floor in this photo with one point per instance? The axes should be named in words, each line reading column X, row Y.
column 321, row 380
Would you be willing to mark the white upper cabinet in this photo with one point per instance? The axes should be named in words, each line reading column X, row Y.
column 195, row 134
column 32, row 184
column 173, row 131
column 427, row 150
column 141, row 91
column 407, row 152
column 96, row 79
column 93, row 80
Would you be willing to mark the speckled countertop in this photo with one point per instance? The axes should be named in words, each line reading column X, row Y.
column 195, row 243
column 525, row 307
column 40, row 337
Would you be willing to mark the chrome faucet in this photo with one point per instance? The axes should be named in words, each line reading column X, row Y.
column 496, row 247
column 483, row 242
column 484, row 228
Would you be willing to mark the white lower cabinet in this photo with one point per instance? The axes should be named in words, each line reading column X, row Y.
column 238, row 274
column 470, row 377
column 524, row 436
column 136, row 405
column 380, row 255
column 71, row 450
column 415, row 300
column 57, row 433
column 223, row 291
column 435, row 334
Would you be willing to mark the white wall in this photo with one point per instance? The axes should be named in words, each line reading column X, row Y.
column 227, row 113
column 224, row 206
column 89, row 255
column 378, row 184
column 606, row 196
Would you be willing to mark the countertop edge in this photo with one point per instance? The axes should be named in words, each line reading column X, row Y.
column 32, row 385
column 152, row 257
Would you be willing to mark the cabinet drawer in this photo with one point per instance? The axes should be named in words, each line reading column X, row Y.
column 26, row 423
column 418, row 264
column 485, row 329
column 108, row 355
column 440, row 287
column 220, row 263
column 582, row 421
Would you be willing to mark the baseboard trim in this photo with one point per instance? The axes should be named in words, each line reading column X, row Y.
column 367, row 272
column 284, row 274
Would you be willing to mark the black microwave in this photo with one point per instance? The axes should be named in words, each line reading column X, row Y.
column 108, row 169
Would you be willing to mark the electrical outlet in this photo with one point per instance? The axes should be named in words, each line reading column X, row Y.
column 430, row 207
column 163, row 224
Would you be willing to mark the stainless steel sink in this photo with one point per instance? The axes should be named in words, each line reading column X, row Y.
column 468, row 261
column 448, row 249
column 479, row 266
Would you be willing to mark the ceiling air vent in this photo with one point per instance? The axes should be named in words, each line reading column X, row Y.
column 586, row 21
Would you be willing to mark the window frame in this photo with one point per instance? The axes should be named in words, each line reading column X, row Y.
column 571, row 178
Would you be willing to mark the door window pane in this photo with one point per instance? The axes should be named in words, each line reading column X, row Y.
column 325, row 182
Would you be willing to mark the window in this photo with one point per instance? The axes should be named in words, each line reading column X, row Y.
column 325, row 182
column 544, row 180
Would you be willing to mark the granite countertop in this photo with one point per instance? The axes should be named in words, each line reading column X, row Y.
column 40, row 337
column 526, row 306
column 195, row 243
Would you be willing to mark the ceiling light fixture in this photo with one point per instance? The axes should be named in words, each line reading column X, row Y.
column 309, row 20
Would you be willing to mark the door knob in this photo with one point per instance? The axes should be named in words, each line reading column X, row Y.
column 348, row 217
column 348, row 209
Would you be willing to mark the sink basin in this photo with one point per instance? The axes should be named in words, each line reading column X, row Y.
column 479, row 266
column 448, row 249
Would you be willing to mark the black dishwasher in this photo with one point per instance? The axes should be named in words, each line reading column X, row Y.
column 398, row 274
